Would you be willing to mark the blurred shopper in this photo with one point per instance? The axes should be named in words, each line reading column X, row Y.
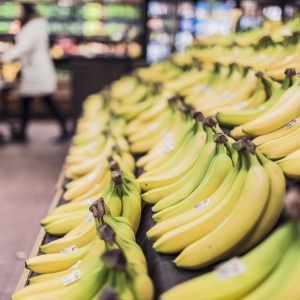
column 38, row 73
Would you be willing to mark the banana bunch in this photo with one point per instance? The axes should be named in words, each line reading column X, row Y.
column 111, row 260
column 239, row 87
column 290, row 165
column 127, row 277
column 237, row 118
column 212, row 226
column 281, row 142
column 171, row 145
column 284, row 108
column 124, row 87
column 121, row 194
column 130, row 105
column 286, row 30
column 159, row 72
column 246, row 38
column 195, row 153
column 285, row 57
column 268, row 271
column 155, row 125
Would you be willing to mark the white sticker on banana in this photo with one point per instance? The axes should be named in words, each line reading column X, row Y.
column 71, row 249
column 292, row 123
column 74, row 276
column 75, row 266
column 202, row 204
column 229, row 269
column 90, row 200
column 89, row 218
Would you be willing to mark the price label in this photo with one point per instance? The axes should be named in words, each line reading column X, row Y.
column 74, row 276
column 91, row 177
column 90, row 200
column 89, row 218
column 76, row 265
column 68, row 250
column 202, row 204
column 292, row 123
column 229, row 269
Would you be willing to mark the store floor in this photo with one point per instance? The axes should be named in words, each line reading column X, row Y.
column 28, row 173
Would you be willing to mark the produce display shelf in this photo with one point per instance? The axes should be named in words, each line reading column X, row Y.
column 162, row 270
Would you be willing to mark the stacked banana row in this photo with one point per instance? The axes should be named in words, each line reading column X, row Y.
column 70, row 267
column 199, row 202
column 277, row 30
column 258, row 108
column 268, row 56
column 213, row 198
column 112, row 266
column 269, row 271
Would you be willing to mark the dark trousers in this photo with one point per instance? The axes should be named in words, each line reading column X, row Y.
column 26, row 102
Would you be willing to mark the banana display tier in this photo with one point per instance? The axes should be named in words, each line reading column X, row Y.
column 176, row 180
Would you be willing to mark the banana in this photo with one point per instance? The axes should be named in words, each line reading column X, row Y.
column 143, row 141
column 81, row 205
column 201, row 224
column 187, row 80
column 235, row 278
column 257, row 98
column 274, row 206
column 140, row 93
column 171, row 153
column 237, row 118
column 80, row 236
column 169, row 144
column 157, row 108
column 149, row 181
column 83, row 184
column 194, row 178
column 78, row 284
column 77, row 170
column 131, row 206
column 290, row 165
column 93, row 252
column 140, row 284
column 285, row 130
column 197, row 208
column 216, row 173
column 286, row 145
column 61, row 224
column 56, row 262
column 288, row 289
column 272, row 284
column 123, row 88
column 218, row 242
column 273, row 120
column 190, row 180
column 281, row 146
column 239, row 92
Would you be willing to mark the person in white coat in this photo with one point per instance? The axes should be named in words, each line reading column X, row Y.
column 37, row 73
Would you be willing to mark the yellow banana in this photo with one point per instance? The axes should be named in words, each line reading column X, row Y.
column 199, row 208
column 216, row 244
column 235, row 278
column 80, row 236
column 216, row 173
column 274, row 206
column 192, row 178
column 290, row 165
column 56, row 262
column 196, row 228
